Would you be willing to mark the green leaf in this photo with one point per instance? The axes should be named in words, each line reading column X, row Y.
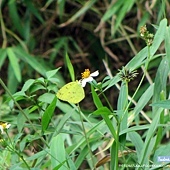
column 160, row 81
column 81, row 157
column 137, row 141
column 27, row 84
column 81, row 12
column 137, row 61
column 33, row 10
column 51, row 73
column 111, row 83
column 21, row 120
column 163, row 104
column 163, row 150
column 102, row 111
column 46, row 118
column 96, row 98
column 167, row 44
column 15, row 17
column 32, row 61
column 123, row 97
column 112, row 10
column 70, row 67
column 122, row 113
column 159, row 36
column 14, row 63
column 120, row 8
column 61, row 8
column 3, row 56
column 144, row 99
column 105, row 112
column 63, row 121
column 57, row 152
column 150, row 141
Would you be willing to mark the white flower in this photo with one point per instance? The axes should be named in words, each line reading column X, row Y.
column 87, row 77
column 4, row 126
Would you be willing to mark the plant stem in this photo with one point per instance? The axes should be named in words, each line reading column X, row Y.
column 14, row 150
column 85, row 135
column 20, row 109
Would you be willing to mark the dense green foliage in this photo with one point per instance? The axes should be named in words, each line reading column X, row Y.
column 123, row 122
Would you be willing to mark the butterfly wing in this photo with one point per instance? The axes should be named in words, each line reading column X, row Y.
column 71, row 92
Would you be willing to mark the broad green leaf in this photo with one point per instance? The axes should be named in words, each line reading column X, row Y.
column 58, row 153
column 21, row 120
column 137, row 141
column 163, row 150
column 27, row 84
column 51, row 73
column 14, row 63
column 46, row 118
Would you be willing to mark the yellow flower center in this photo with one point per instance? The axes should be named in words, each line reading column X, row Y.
column 85, row 74
column 4, row 125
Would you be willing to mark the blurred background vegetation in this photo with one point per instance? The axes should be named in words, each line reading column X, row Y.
column 97, row 34
column 35, row 35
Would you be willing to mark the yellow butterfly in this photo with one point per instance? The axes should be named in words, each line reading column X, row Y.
column 72, row 92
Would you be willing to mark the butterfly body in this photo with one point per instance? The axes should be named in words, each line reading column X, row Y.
column 72, row 92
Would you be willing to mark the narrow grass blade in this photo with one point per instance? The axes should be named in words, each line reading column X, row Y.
column 146, row 151
column 81, row 12
column 70, row 67
column 167, row 44
column 15, row 17
column 33, row 10
column 3, row 56
column 14, row 63
column 160, row 81
column 96, row 98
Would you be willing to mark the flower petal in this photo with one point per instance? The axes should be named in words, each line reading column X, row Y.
column 94, row 74
column 83, row 83
column 7, row 126
column 1, row 129
column 85, row 80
